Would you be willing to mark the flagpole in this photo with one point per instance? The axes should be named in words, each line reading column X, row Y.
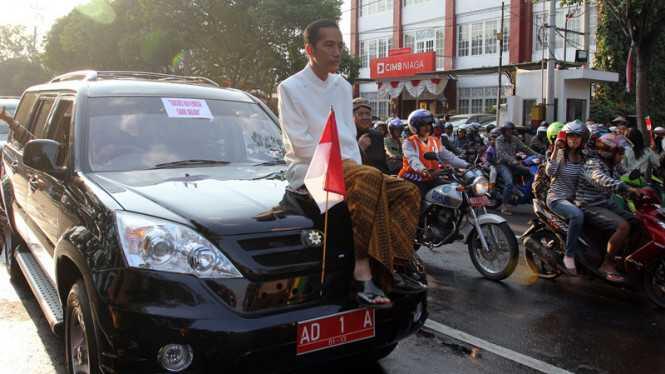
column 325, row 244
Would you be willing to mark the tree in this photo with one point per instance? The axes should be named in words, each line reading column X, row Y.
column 641, row 22
column 20, row 66
column 248, row 44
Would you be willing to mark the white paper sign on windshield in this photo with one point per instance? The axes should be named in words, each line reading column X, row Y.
column 186, row 108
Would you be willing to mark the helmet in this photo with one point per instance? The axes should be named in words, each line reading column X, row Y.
column 659, row 130
column 438, row 124
column 380, row 124
column 544, row 124
column 609, row 145
column 490, row 127
column 576, row 128
column 541, row 130
column 495, row 133
column 507, row 125
column 395, row 124
column 419, row 118
column 474, row 126
column 596, row 131
column 465, row 127
column 553, row 130
column 449, row 126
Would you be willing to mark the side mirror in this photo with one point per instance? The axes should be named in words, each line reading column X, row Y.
column 42, row 155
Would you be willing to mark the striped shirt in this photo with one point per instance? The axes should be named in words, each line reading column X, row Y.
column 598, row 182
column 564, row 176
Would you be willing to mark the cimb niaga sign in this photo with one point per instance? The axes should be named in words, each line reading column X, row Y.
column 402, row 64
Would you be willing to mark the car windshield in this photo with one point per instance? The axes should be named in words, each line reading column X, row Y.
column 138, row 133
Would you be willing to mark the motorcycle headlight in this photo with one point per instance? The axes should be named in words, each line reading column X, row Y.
column 481, row 186
column 155, row 244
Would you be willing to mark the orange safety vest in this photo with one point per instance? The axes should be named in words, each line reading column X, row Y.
column 433, row 145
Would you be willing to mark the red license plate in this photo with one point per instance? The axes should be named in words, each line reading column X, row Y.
column 479, row 201
column 335, row 330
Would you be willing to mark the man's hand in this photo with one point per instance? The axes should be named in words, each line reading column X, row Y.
column 635, row 193
column 4, row 115
column 364, row 142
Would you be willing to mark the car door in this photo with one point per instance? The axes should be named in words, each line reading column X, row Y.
column 32, row 110
column 47, row 200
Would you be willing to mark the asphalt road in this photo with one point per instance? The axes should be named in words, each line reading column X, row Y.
column 574, row 324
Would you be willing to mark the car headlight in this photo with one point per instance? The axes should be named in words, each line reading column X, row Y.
column 155, row 244
column 481, row 186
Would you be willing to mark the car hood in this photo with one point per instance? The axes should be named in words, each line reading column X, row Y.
column 223, row 200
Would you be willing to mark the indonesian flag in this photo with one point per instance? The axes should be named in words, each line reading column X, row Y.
column 325, row 176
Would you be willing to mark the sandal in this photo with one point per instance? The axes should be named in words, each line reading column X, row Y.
column 405, row 284
column 614, row 277
column 368, row 293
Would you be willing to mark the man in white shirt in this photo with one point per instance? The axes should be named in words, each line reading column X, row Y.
column 384, row 210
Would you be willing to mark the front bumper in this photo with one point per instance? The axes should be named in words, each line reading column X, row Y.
column 222, row 338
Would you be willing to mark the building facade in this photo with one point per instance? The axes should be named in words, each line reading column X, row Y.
column 458, row 42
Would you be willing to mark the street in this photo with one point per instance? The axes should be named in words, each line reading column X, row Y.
column 522, row 325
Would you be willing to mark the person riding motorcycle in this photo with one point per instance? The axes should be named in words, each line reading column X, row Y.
column 539, row 142
column 488, row 158
column 440, row 133
column 393, row 145
column 415, row 168
column 599, row 180
column 564, row 167
column 507, row 146
column 468, row 141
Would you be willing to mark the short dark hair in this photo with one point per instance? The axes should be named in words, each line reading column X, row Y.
column 312, row 32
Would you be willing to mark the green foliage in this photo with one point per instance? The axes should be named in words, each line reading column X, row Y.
column 611, row 55
column 248, row 44
column 20, row 66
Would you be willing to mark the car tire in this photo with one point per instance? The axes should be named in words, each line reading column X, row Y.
column 8, row 250
column 80, row 344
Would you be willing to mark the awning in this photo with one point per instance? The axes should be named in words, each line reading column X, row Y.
column 415, row 87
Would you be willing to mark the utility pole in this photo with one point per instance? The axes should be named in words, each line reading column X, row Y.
column 550, row 63
column 587, row 29
column 499, row 36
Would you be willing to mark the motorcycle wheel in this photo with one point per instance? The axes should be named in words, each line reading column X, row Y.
column 535, row 263
column 500, row 262
column 654, row 282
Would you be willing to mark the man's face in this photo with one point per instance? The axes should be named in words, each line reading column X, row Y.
column 363, row 119
column 327, row 53
column 449, row 130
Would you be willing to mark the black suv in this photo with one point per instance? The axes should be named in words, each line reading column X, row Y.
column 149, row 214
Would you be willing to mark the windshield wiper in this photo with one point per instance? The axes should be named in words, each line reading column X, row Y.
column 271, row 163
column 189, row 163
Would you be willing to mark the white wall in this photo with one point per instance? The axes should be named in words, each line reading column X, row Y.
column 424, row 11
column 375, row 21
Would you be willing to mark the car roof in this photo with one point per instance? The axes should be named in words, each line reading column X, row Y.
column 138, row 87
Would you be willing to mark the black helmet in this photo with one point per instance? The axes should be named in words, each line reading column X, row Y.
column 419, row 118
column 507, row 125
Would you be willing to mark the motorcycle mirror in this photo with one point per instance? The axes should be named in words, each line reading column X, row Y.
column 431, row 156
column 635, row 174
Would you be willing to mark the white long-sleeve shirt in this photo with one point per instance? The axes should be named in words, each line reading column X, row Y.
column 304, row 104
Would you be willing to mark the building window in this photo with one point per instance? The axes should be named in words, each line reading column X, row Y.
column 477, row 39
column 506, row 35
column 380, row 107
column 439, row 49
column 477, row 100
column 408, row 41
column 575, row 41
column 371, row 49
column 414, row 2
column 490, row 37
column 426, row 41
column 463, row 40
column 369, row 7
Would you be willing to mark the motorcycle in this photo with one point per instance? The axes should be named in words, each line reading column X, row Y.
column 492, row 245
column 642, row 262
column 521, row 185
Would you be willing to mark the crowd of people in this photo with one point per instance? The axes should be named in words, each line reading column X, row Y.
column 586, row 165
